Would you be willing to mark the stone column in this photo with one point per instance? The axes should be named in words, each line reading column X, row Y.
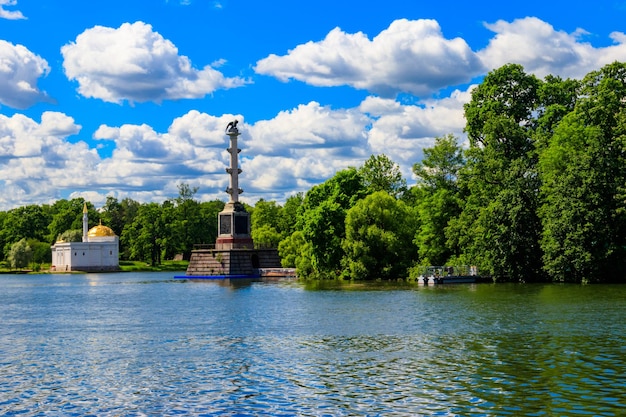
column 234, row 220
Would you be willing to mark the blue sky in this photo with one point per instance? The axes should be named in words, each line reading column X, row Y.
column 131, row 98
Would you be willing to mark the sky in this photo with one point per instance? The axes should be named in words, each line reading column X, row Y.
column 131, row 98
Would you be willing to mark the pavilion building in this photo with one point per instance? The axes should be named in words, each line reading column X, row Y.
column 98, row 251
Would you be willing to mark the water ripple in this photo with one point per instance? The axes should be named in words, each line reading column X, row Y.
column 271, row 350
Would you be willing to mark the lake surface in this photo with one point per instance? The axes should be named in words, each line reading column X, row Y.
column 145, row 344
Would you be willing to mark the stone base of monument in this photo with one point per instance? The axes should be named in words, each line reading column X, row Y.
column 231, row 262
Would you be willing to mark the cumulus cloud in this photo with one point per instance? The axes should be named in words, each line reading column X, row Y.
column 36, row 159
column 309, row 126
column 543, row 50
column 414, row 56
column 10, row 14
column 144, row 159
column 408, row 56
column 20, row 70
column 309, row 144
column 38, row 164
column 137, row 64
column 291, row 152
column 403, row 131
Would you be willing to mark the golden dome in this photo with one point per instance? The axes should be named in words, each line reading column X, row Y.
column 100, row 231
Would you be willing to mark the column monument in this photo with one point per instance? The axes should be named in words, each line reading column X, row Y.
column 234, row 220
column 234, row 254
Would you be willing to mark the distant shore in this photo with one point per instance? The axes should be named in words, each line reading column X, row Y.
column 125, row 266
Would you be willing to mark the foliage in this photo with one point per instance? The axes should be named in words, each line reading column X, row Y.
column 584, row 172
column 441, row 164
column 498, row 228
column 24, row 222
column 265, row 223
column 20, row 254
column 40, row 250
column 74, row 235
column 438, row 198
column 147, row 235
column 322, row 219
column 379, row 234
column 379, row 173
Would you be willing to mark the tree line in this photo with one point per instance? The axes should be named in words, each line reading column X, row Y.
column 538, row 194
column 149, row 232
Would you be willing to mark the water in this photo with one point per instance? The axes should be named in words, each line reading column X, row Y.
column 140, row 344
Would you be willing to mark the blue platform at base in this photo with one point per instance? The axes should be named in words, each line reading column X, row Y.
column 250, row 276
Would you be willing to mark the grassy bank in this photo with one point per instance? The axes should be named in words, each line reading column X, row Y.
column 138, row 266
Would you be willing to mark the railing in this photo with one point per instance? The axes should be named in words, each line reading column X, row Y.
column 209, row 246
column 461, row 270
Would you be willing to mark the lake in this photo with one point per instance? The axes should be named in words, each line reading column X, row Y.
column 145, row 344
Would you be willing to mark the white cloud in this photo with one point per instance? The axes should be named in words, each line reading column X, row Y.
column 289, row 153
column 39, row 165
column 543, row 50
column 307, row 128
column 19, row 71
column 10, row 14
column 201, row 129
column 135, row 63
column 409, row 56
column 36, row 160
column 403, row 131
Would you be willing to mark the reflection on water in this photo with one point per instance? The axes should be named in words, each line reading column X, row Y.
column 139, row 344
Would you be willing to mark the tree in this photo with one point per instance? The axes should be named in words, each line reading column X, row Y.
column 74, row 235
column 583, row 169
column 25, row 222
column 147, row 235
column 290, row 249
column 265, row 214
column 322, row 218
column 379, row 232
column 20, row 254
column 499, row 228
column 289, row 215
column 186, row 222
column 438, row 202
column 207, row 229
column 379, row 173
column 113, row 215
column 41, row 252
column 68, row 215
column 441, row 164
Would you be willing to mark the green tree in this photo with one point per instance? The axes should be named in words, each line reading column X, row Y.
column 265, row 223
column 20, row 254
column 584, row 172
column 129, row 209
column 378, row 242
column 74, row 235
column 68, row 215
column 437, row 199
column 440, row 166
column 289, row 215
column 112, row 215
column 41, row 252
column 379, row 173
column 207, row 229
column 147, row 235
column 291, row 248
column 186, row 222
column 24, row 223
column 499, row 228
column 322, row 219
